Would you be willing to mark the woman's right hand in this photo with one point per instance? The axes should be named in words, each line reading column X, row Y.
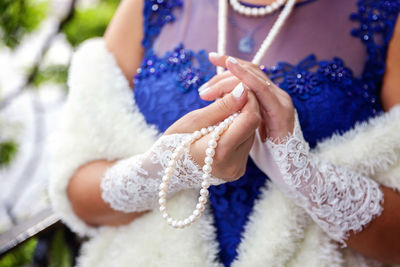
column 234, row 145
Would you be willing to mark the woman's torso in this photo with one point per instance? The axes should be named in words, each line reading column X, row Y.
column 331, row 65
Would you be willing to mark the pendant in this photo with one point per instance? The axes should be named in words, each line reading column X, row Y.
column 246, row 44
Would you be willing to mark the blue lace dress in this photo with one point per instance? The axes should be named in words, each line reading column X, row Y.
column 334, row 76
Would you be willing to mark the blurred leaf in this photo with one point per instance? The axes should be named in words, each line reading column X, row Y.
column 8, row 150
column 90, row 22
column 51, row 74
column 60, row 254
column 19, row 256
column 19, row 17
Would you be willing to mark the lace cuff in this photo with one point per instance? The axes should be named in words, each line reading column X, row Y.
column 132, row 184
column 338, row 199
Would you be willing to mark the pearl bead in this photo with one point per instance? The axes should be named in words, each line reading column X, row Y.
column 202, row 199
column 204, row 192
column 210, row 128
column 268, row 9
column 210, row 152
column 197, row 134
column 165, row 215
column 247, row 11
column 196, row 212
column 174, row 223
column 161, row 201
column 206, row 176
column 223, row 125
column 205, row 184
column 207, row 168
column 204, row 131
column 274, row 5
column 219, row 130
column 215, row 136
column 171, row 163
column 191, row 218
column 212, row 143
column 208, row 160
column 163, row 186
column 254, row 12
column 180, row 224
column 165, row 178
column 163, row 208
column 162, row 194
column 169, row 220
column 186, row 221
column 168, row 171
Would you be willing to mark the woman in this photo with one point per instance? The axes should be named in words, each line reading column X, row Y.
column 333, row 78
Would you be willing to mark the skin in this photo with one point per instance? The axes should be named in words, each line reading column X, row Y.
column 378, row 240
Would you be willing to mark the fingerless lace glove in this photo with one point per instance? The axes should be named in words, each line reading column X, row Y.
column 338, row 199
column 132, row 184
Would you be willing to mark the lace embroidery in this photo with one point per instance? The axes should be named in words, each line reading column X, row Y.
column 131, row 185
column 338, row 199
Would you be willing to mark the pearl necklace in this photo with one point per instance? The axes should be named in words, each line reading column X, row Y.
column 256, row 11
column 216, row 131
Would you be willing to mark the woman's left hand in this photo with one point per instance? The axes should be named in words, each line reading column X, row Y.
column 277, row 109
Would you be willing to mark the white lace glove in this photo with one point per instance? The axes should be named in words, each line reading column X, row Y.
column 132, row 184
column 338, row 199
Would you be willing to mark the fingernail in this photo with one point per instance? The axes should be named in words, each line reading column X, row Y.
column 213, row 54
column 233, row 60
column 204, row 89
column 238, row 91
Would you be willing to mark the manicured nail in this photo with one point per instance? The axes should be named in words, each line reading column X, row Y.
column 233, row 60
column 213, row 54
column 204, row 89
column 238, row 91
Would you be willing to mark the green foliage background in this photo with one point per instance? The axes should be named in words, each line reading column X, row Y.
column 17, row 19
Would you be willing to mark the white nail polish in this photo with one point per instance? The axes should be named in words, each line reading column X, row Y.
column 233, row 60
column 213, row 54
column 203, row 87
column 204, row 91
column 238, row 91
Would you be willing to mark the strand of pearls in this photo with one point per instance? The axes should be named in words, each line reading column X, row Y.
column 256, row 11
column 222, row 5
column 216, row 131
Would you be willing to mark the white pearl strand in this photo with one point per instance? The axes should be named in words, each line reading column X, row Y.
column 222, row 5
column 256, row 11
column 217, row 131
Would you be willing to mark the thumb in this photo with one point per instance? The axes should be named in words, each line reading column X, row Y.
column 213, row 113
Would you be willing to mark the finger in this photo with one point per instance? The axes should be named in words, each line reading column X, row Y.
column 263, row 91
column 217, row 59
column 220, row 88
column 243, row 126
column 206, row 86
column 211, row 114
column 220, row 60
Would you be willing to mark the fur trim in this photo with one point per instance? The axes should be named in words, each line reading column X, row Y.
column 279, row 233
column 372, row 148
column 100, row 104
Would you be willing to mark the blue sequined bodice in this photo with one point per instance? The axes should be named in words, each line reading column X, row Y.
column 329, row 98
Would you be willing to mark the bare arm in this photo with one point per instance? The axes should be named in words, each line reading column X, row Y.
column 123, row 39
column 380, row 239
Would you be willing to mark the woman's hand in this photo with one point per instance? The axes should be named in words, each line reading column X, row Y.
column 276, row 106
column 234, row 145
